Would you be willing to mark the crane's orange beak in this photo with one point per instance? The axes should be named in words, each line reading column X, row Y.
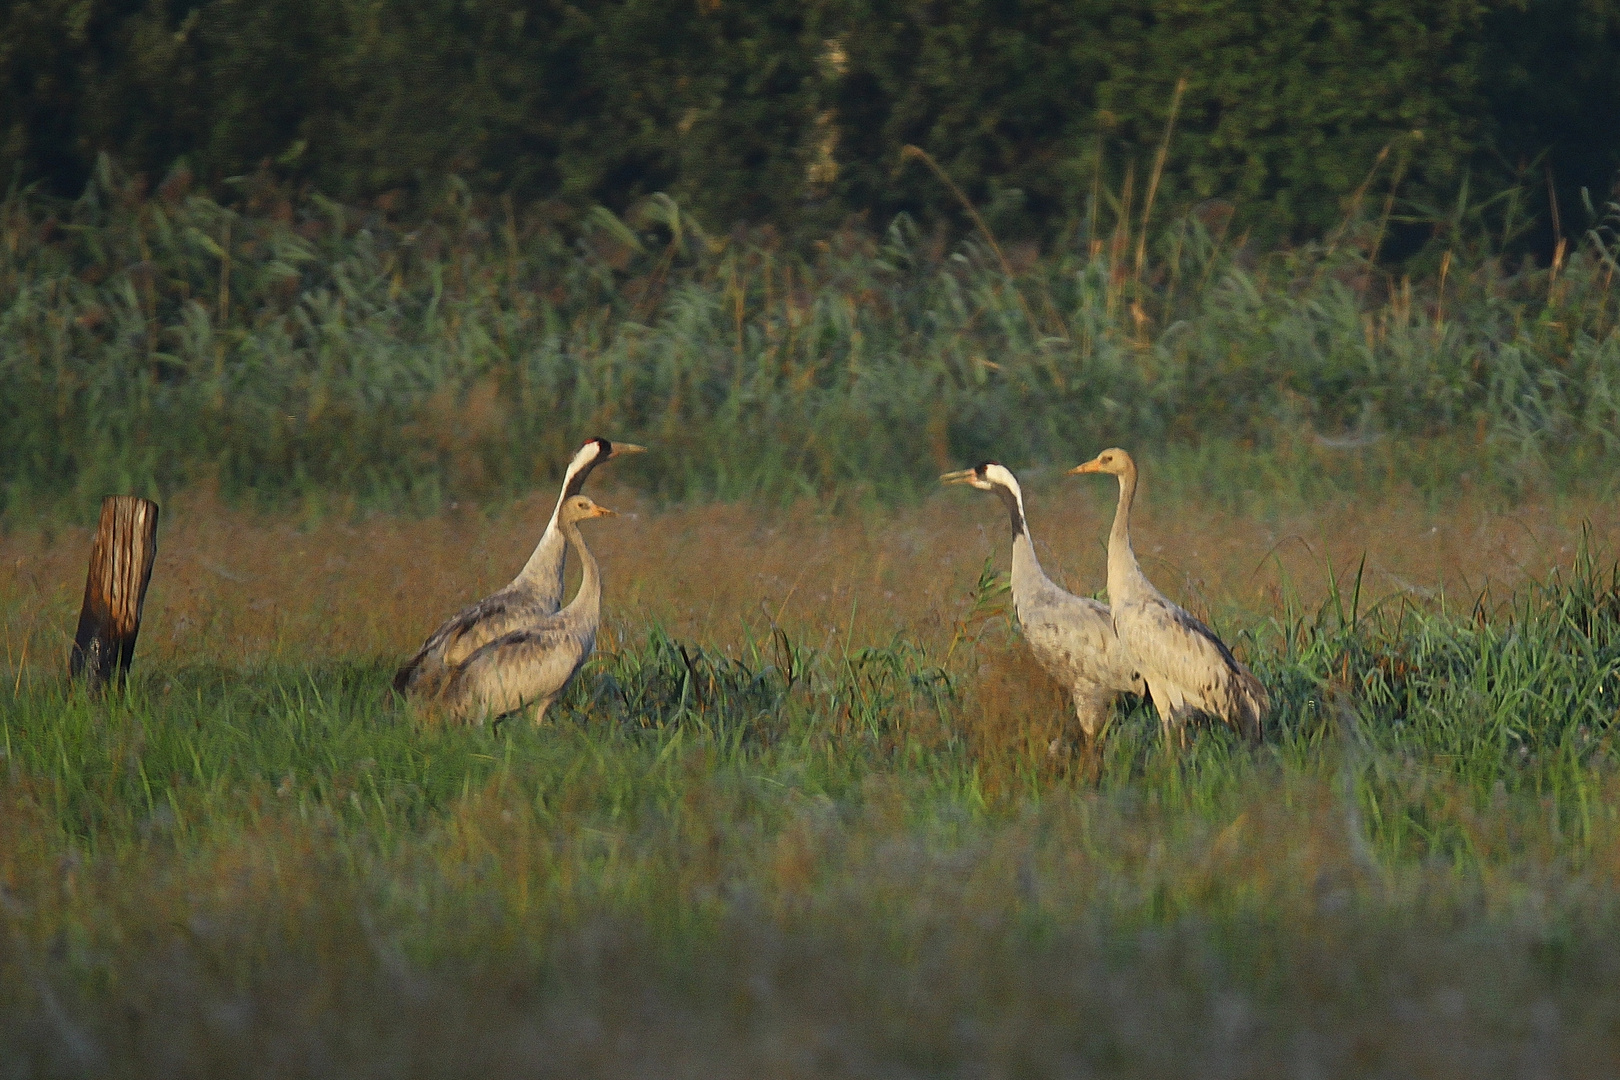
column 965, row 476
column 602, row 511
column 1092, row 466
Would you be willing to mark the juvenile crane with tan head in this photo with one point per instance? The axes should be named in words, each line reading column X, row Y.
column 531, row 666
column 1187, row 668
column 1072, row 637
column 535, row 593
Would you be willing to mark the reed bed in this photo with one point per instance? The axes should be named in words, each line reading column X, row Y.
column 291, row 349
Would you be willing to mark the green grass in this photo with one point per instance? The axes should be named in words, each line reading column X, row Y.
column 763, row 857
column 298, row 351
column 794, row 862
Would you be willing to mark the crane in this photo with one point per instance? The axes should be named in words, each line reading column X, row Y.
column 1187, row 668
column 1072, row 637
column 531, row 666
column 536, row 592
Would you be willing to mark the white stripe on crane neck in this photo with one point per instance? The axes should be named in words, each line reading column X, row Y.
column 584, row 458
column 1002, row 477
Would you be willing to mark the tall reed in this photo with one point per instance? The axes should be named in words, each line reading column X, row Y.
column 294, row 347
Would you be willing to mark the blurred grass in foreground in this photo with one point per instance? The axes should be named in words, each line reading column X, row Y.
column 302, row 351
column 795, row 860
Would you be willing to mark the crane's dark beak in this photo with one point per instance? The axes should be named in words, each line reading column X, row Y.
column 626, row 448
column 1092, row 466
column 965, row 476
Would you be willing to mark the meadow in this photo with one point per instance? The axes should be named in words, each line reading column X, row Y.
column 809, row 811
column 807, row 819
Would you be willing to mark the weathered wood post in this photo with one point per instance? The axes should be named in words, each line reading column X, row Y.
column 114, row 590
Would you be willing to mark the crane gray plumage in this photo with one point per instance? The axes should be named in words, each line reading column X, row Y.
column 531, row 666
column 1072, row 637
column 535, row 593
column 1187, row 668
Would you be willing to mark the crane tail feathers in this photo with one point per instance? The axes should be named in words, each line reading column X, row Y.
column 423, row 675
column 405, row 677
column 1253, row 702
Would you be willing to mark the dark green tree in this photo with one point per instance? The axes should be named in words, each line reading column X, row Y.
column 795, row 113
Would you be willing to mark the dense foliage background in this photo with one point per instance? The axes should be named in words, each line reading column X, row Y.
column 794, row 112
column 296, row 347
column 405, row 250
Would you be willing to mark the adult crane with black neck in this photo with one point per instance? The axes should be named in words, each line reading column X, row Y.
column 1188, row 669
column 1072, row 637
column 530, row 666
column 533, row 595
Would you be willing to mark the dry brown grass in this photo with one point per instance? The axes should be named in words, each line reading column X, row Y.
column 232, row 584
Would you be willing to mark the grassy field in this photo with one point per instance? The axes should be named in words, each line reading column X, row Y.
column 810, row 811
column 801, row 816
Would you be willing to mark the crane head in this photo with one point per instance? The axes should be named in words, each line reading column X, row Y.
column 995, row 477
column 581, row 508
column 606, row 449
column 589, row 456
column 976, row 476
column 986, row 476
column 595, row 451
column 1113, row 461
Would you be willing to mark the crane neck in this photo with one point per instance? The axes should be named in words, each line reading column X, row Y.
column 1026, row 568
column 589, row 596
column 544, row 570
column 1123, row 570
column 573, row 483
column 1014, row 502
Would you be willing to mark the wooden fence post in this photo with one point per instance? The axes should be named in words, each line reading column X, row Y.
column 120, row 568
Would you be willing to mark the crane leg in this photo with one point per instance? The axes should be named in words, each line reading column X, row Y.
column 540, row 708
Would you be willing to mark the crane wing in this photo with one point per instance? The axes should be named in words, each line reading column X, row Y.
column 461, row 634
column 1073, row 638
column 518, row 668
column 1190, row 664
